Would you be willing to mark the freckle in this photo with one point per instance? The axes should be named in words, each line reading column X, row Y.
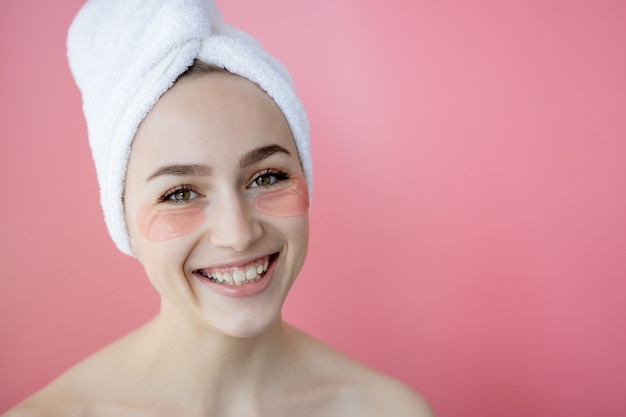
column 160, row 225
column 288, row 202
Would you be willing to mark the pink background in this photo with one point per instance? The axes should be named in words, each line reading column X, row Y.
column 469, row 216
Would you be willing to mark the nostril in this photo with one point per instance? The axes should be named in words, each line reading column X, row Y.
column 234, row 227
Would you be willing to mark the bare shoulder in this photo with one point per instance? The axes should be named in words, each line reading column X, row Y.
column 386, row 396
column 51, row 401
column 69, row 395
column 75, row 392
column 359, row 390
column 370, row 393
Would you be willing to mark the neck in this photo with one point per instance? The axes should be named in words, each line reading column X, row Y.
column 206, row 370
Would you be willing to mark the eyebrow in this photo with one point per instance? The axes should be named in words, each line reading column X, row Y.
column 260, row 154
column 249, row 158
column 181, row 170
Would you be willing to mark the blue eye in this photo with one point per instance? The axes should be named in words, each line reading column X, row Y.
column 268, row 178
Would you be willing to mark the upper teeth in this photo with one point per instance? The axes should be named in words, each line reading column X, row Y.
column 239, row 276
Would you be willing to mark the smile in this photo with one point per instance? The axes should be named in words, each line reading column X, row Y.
column 237, row 275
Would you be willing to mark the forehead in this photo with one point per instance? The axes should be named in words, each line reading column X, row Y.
column 212, row 117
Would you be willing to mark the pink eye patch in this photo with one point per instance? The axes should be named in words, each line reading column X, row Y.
column 159, row 225
column 287, row 202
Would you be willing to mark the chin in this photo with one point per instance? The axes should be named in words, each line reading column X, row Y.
column 245, row 327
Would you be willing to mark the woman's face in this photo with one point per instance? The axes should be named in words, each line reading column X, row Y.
column 216, row 203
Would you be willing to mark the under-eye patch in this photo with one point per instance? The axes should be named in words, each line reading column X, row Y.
column 159, row 225
column 287, row 202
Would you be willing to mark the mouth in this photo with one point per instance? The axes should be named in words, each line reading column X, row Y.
column 235, row 276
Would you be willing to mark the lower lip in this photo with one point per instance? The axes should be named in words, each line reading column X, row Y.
column 245, row 290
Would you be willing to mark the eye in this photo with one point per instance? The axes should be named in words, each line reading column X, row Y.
column 179, row 195
column 268, row 178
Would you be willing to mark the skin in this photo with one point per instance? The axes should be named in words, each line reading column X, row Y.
column 205, row 354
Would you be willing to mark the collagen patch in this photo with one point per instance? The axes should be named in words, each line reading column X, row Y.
column 159, row 225
column 287, row 202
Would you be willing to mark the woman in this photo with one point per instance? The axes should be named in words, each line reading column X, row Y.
column 201, row 149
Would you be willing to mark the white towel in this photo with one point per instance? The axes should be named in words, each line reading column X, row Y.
column 124, row 54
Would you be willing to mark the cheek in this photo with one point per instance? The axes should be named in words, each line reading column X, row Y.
column 158, row 226
column 289, row 202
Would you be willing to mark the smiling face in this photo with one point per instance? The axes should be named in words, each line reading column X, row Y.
column 216, row 203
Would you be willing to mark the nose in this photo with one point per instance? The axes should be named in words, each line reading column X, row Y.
column 232, row 224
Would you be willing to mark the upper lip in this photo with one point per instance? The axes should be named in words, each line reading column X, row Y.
column 236, row 263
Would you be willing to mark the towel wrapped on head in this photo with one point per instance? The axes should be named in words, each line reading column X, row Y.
column 124, row 54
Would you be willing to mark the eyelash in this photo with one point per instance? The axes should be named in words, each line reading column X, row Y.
column 167, row 196
column 279, row 175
